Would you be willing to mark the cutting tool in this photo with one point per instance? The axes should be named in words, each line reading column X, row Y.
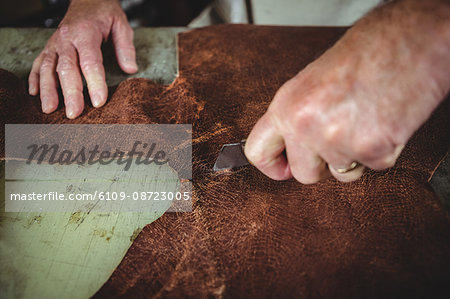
column 231, row 156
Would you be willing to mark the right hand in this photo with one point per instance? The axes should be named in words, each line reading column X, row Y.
column 77, row 44
column 361, row 100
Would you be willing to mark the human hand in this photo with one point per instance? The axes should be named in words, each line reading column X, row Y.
column 77, row 44
column 361, row 100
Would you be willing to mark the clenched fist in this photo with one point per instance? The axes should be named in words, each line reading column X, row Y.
column 76, row 45
column 360, row 102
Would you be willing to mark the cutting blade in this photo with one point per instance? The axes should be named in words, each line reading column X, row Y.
column 231, row 156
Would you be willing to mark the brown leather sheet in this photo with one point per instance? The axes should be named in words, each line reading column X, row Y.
column 384, row 235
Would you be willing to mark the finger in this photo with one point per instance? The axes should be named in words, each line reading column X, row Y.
column 264, row 149
column 306, row 166
column 33, row 79
column 122, row 36
column 70, row 79
column 91, row 62
column 338, row 162
column 386, row 160
column 48, row 82
column 374, row 150
column 350, row 175
column 378, row 163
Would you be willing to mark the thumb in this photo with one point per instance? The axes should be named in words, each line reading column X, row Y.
column 264, row 149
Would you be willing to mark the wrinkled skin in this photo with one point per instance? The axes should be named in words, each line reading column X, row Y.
column 76, row 45
column 361, row 100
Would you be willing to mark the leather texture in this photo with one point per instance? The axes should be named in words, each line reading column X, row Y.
column 385, row 235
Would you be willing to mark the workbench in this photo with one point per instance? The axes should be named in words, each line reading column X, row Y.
column 72, row 254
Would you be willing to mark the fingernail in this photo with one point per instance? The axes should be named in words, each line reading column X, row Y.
column 131, row 64
column 97, row 100
column 70, row 110
column 134, row 67
column 398, row 150
column 32, row 90
column 45, row 107
column 392, row 158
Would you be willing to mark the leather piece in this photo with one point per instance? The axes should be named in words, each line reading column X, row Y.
column 385, row 235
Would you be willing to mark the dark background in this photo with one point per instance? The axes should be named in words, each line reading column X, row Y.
column 49, row 13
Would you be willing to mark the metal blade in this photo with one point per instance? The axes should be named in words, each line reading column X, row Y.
column 231, row 156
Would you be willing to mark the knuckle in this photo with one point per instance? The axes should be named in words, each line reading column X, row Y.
column 364, row 150
column 284, row 92
column 64, row 32
column 121, row 18
column 81, row 27
column 78, row 33
column 34, row 74
column 48, row 52
column 367, row 147
column 333, row 133
column 47, row 66
column 90, row 67
column 34, row 71
column 110, row 17
column 301, row 116
column 46, row 86
column 73, row 92
column 91, row 63
column 65, row 63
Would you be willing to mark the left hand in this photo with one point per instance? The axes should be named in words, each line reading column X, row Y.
column 76, row 46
